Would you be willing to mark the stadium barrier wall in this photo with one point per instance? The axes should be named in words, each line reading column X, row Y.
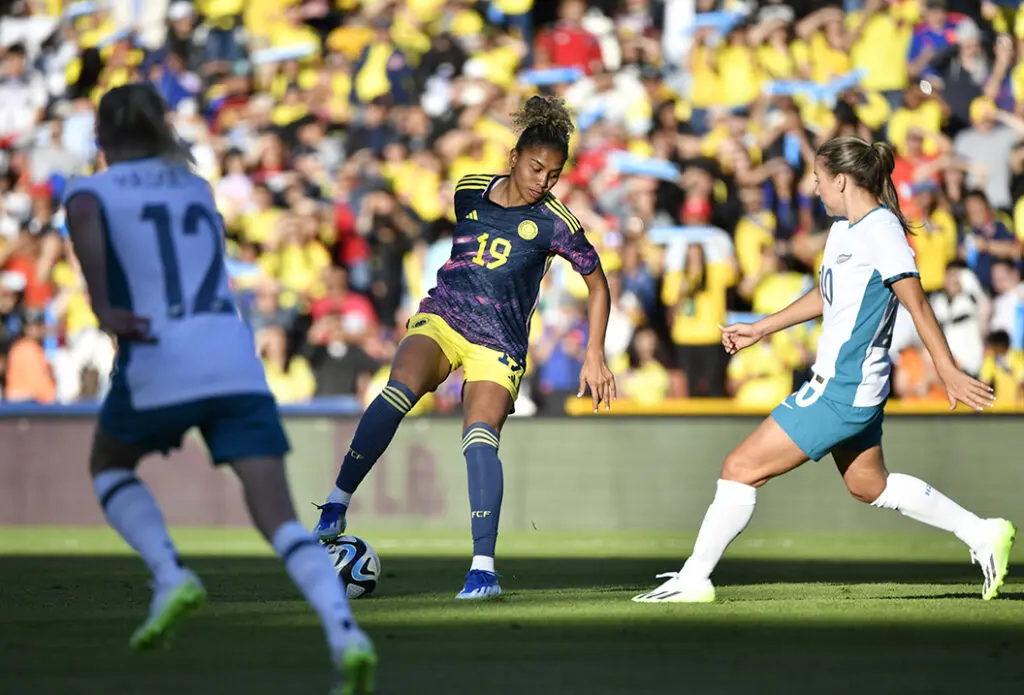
column 561, row 474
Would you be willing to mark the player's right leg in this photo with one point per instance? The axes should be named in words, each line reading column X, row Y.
column 767, row 453
column 487, row 404
column 419, row 367
column 989, row 540
column 133, row 512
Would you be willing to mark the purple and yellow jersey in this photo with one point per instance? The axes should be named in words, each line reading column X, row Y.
column 488, row 289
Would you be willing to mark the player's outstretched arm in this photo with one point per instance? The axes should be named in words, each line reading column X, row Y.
column 595, row 372
column 741, row 335
column 89, row 241
column 959, row 386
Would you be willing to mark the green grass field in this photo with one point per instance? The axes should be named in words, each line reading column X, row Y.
column 797, row 614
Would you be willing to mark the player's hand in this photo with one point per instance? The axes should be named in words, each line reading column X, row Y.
column 967, row 390
column 739, row 336
column 124, row 325
column 599, row 378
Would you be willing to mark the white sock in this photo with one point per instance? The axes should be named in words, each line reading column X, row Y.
column 310, row 567
column 918, row 500
column 133, row 512
column 482, row 562
column 728, row 515
column 339, row 496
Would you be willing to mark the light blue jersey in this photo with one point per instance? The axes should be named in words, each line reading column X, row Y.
column 165, row 262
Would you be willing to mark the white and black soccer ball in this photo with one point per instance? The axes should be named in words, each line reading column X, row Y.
column 357, row 565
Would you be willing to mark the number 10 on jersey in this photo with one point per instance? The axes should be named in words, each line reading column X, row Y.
column 497, row 253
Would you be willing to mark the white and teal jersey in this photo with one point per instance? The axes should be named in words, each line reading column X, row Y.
column 861, row 262
column 165, row 262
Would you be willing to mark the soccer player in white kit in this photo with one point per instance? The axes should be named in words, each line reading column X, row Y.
column 867, row 271
column 150, row 243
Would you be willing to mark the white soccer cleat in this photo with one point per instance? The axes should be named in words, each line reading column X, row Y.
column 171, row 603
column 994, row 556
column 679, row 589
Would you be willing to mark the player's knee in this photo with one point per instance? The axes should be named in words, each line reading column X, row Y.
column 412, row 384
column 109, row 454
column 866, row 491
column 741, row 467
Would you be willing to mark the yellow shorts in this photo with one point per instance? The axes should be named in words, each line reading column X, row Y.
column 478, row 363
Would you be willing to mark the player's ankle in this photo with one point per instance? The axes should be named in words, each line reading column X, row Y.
column 484, row 563
column 339, row 496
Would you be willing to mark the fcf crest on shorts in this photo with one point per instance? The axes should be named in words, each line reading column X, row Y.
column 527, row 229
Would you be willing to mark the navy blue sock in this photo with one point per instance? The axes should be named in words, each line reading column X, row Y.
column 376, row 429
column 480, row 446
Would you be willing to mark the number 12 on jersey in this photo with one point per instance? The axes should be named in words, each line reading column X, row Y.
column 206, row 300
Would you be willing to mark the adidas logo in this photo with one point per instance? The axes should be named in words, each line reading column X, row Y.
column 472, row 216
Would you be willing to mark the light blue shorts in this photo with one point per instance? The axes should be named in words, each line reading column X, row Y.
column 235, row 427
column 818, row 424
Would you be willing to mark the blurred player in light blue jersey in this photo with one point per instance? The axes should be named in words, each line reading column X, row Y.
column 150, row 243
column 509, row 228
column 868, row 270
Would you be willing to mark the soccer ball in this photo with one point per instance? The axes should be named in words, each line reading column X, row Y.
column 357, row 565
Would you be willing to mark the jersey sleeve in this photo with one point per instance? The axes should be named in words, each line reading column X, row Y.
column 574, row 247
column 77, row 185
column 890, row 252
column 469, row 187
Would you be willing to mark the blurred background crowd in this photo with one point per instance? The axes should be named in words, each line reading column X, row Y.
column 333, row 131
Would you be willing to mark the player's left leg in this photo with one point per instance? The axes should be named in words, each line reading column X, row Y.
column 246, row 431
column 133, row 512
column 486, row 405
column 310, row 568
column 865, row 475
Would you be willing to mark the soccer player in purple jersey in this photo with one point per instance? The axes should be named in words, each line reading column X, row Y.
column 509, row 228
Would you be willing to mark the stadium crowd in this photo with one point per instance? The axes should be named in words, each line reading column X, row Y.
column 333, row 133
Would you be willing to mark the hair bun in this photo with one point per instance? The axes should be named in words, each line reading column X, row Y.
column 545, row 112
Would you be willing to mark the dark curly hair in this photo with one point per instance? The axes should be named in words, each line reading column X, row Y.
column 544, row 121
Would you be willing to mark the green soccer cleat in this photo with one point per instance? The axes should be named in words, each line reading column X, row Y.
column 357, row 666
column 170, row 604
column 994, row 556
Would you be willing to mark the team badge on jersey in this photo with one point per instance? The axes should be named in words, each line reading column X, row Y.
column 527, row 229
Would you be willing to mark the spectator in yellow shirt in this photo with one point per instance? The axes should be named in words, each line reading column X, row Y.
column 822, row 50
column 290, row 380
column 647, row 380
column 758, row 377
column 1003, row 370
column 935, row 240
column 754, row 232
column 695, row 298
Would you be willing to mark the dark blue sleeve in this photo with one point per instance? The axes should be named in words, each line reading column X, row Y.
column 916, row 46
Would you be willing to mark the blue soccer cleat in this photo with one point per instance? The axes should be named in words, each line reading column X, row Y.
column 480, row 584
column 332, row 521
